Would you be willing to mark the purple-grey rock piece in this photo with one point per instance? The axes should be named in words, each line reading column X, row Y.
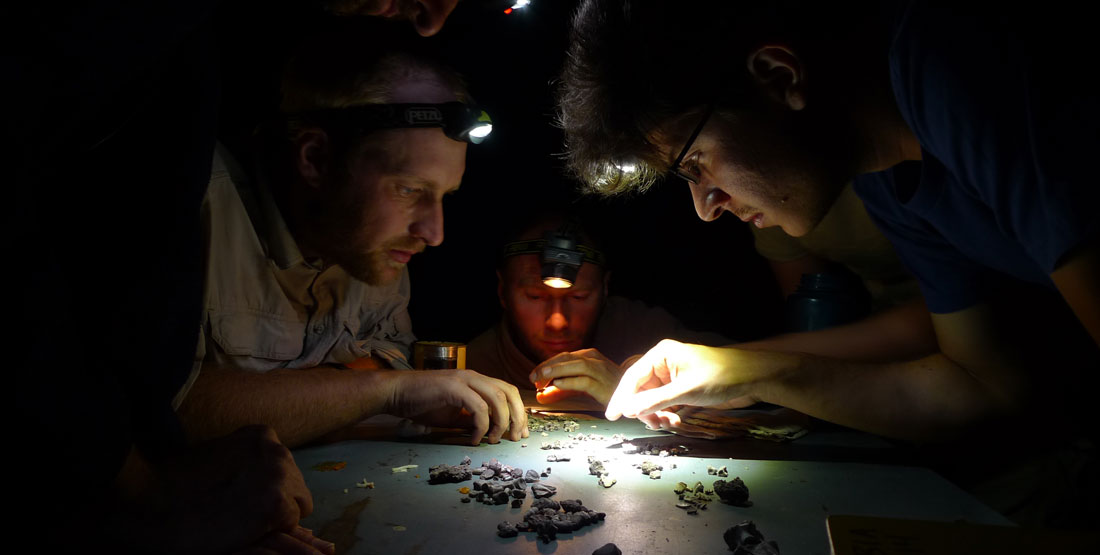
column 543, row 490
column 531, row 476
column 519, row 493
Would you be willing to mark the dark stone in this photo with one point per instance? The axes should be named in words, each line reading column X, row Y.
column 517, row 503
column 519, row 493
column 608, row 549
column 745, row 539
column 507, row 530
column 518, row 483
column 734, row 493
column 531, row 476
column 465, row 499
column 487, row 473
column 466, row 461
column 572, row 505
column 500, row 498
column 539, row 504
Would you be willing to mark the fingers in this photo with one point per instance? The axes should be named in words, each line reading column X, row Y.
column 638, row 376
column 517, row 417
column 474, row 404
column 305, row 535
column 552, row 394
column 498, row 405
column 598, row 390
column 651, row 400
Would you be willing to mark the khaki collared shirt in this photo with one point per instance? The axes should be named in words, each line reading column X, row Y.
column 268, row 307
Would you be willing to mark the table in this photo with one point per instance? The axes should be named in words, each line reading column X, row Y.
column 404, row 514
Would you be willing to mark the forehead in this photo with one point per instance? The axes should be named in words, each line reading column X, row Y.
column 525, row 270
column 425, row 155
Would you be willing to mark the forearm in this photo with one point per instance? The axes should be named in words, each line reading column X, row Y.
column 925, row 399
column 901, row 333
column 300, row 404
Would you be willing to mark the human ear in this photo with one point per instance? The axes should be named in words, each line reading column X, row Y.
column 312, row 156
column 780, row 74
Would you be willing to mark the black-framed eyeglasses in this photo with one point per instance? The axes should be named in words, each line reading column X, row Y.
column 680, row 172
column 461, row 122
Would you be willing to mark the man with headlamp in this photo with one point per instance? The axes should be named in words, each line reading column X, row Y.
column 560, row 333
column 306, row 326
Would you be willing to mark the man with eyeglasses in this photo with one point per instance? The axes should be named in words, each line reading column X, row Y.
column 966, row 143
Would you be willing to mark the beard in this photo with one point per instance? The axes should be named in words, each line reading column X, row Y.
column 374, row 266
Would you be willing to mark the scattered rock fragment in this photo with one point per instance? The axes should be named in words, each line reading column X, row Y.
column 543, row 490
column 447, row 474
column 607, row 481
column 608, row 549
column 734, row 492
column 507, row 530
column 745, row 539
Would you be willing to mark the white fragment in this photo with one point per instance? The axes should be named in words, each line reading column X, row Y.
column 405, row 468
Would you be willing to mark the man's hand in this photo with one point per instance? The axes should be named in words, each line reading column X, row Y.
column 488, row 406
column 585, row 372
column 674, row 373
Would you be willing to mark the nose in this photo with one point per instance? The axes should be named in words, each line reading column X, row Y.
column 431, row 14
column 557, row 321
column 709, row 201
column 428, row 224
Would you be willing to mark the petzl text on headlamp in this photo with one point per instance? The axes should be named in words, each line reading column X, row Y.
column 461, row 122
column 561, row 256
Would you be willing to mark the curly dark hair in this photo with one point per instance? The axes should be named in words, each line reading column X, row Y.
column 635, row 67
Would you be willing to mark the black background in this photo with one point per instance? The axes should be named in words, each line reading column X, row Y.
column 707, row 274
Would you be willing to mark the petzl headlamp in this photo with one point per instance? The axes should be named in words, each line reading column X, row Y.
column 561, row 256
column 461, row 122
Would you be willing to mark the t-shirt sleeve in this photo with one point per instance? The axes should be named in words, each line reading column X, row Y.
column 987, row 94
column 948, row 280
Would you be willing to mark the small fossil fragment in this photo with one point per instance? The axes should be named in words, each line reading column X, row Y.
column 650, row 466
column 607, row 481
column 745, row 539
column 722, row 472
column 681, row 487
column 654, row 474
column 404, row 468
column 365, row 484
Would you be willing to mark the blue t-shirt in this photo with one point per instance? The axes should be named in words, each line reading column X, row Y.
column 1007, row 127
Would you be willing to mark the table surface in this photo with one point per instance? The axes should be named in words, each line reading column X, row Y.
column 791, row 498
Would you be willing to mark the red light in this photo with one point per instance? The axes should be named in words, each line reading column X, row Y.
column 508, row 11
